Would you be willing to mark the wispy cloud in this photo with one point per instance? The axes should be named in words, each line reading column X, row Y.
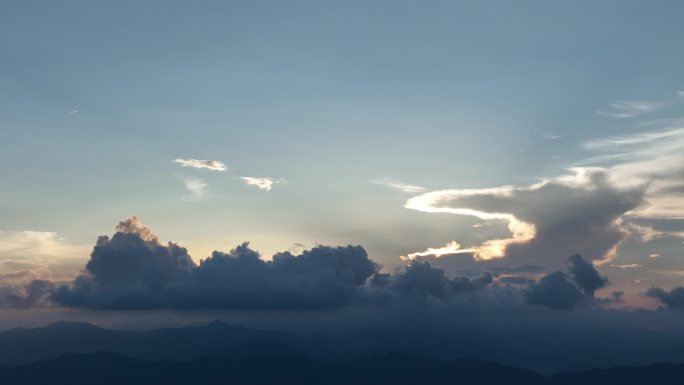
column 628, row 266
column 213, row 165
column 73, row 112
column 261, row 183
column 397, row 185
column 629, row 108
column 450, row 248
column 196, row 187
column 551, row 136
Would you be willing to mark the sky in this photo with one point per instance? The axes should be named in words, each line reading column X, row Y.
column 471, row 137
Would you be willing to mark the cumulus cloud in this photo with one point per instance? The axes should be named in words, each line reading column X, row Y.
column 213, row 165
column 422, row 280
column 134, row 270
column 673, row 298
column 261, row 183
column 33, row 294
column 565, row 290
column 576, row 213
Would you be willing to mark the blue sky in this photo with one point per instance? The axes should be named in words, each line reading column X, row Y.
column 335, row 101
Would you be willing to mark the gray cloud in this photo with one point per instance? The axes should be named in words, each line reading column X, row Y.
column 33, row 294
column 565, row 290
column 578, row 214
column 133, row 270
column 673, row 298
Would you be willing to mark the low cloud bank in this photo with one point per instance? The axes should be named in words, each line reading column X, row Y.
column 134, row 270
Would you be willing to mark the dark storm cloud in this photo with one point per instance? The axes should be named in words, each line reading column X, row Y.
column 555, row 290
column 673, row 298
column 133, row 270
column 565, row 290
column 585, row 276
column 421, row 279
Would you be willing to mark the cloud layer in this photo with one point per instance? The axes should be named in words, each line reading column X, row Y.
column 133, row 269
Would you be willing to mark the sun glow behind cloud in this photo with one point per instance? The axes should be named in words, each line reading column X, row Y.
column 433, row 202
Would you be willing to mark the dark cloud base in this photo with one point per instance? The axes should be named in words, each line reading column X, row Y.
column 133, row 270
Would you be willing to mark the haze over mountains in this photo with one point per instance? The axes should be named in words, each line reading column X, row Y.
column 218, row 353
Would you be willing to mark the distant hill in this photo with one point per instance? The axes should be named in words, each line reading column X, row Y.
column 270, row 362
column 20, row 346
column 105, row 368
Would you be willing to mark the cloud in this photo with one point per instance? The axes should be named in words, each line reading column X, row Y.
column 422, row 280
column 579, row 212
column 38, row 254
column 672, row 299
column 565, row 290
column 261, row 183
column 33, row 294
column 134, row 270
column 628, row 266
column 585, row 276
column 551, row 136
column 397, row 185
column 197, row 188
column 213, row 165
column 629, row 108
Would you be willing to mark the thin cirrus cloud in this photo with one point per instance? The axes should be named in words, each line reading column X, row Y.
column 625, row 109
column 399, row 186
column 629, row 108
column 213, row 165
column 261, row 183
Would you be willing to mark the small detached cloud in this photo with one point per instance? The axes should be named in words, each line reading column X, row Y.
column 627, row 266
column 673, row 298
column 399, row 186
column 213, row 165
column 196, row 187
column 261, row 183
column 566, row 290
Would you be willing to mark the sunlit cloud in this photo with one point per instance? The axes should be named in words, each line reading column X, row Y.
column 261, row 183
column 627, row 266
column 397, row 185
column 31, row 254
column 213, row 165
column 435, row 202
column 450, row 248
